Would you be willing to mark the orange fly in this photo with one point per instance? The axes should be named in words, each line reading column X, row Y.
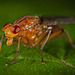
column 30, row 30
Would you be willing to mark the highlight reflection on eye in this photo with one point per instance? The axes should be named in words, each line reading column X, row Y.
column 15, row 29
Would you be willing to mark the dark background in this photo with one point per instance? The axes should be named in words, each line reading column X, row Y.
column 29, row 61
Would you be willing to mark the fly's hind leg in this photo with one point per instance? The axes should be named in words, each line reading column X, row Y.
column 17, row 52
column 59, row 32
column 69, row 65
column 54, row 35
column 69, row 38
column 71, row 43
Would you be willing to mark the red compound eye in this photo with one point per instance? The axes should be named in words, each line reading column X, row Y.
column 15, row 29
column 6, row 24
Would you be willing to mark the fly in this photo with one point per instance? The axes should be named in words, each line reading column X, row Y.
column 30, row 30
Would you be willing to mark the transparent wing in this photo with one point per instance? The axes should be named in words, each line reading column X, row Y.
column 57, row 20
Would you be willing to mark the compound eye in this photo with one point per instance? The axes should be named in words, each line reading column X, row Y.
column 15, row 29
column 6, row 24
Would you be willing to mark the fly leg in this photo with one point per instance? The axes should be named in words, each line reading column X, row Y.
column 49, row 36
column 70, row 41
column 43, row 44
column 55, row 34
column 1, row 42
column 69, row 65
column 69, row 38
column 17, row 52
column 40, row 38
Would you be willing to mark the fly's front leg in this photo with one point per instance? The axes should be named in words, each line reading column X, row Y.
column 1, row 42
column 17, row 52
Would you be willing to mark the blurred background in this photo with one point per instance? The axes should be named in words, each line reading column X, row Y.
column 11, row 10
